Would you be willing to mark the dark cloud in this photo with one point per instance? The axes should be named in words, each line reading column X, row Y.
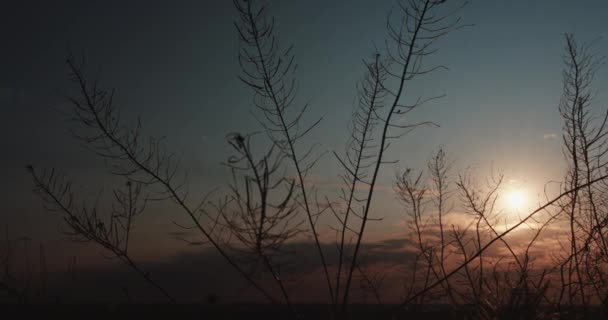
column 192, row 276
column 391, row 243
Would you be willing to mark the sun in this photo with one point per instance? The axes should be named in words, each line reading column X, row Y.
column 515, row 199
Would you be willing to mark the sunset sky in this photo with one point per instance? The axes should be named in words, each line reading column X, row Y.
column 175, row 64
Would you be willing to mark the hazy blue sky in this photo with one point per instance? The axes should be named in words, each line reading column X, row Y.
column 175, row 64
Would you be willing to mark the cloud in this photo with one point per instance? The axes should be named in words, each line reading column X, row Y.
column 549, row 136
column 191, row 276
column 196, row 272
column 336, row 205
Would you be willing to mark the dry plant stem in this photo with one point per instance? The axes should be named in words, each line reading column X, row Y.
column 363, row 122
column 6, row 265
column 80, row 229
column 481, row 208
column 482, row 212
column 574, row 264
column 439, row 174
column 379, row 161
column 467, row 270
column 501, row 235
column 584, row 149
column 370, row 282
column 127, row 154
column 275, row 114
column 412, row 192
column 259, row 236
column 420, row 18
column 371, row 285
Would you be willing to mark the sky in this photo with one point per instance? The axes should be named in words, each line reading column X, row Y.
column 175, row 64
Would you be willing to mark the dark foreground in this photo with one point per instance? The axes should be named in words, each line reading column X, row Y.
column 229, row 312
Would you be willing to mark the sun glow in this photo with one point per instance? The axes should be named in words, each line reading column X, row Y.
column 515, row 199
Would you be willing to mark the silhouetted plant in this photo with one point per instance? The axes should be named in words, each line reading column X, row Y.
column 88, row 223
column 129, row 155
column 8, row 281
column 359, row 156
column 583, row 270
column 270, row 203
column 269, row 71
column 258, row 225
column 21, row 281
column 422, row 23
